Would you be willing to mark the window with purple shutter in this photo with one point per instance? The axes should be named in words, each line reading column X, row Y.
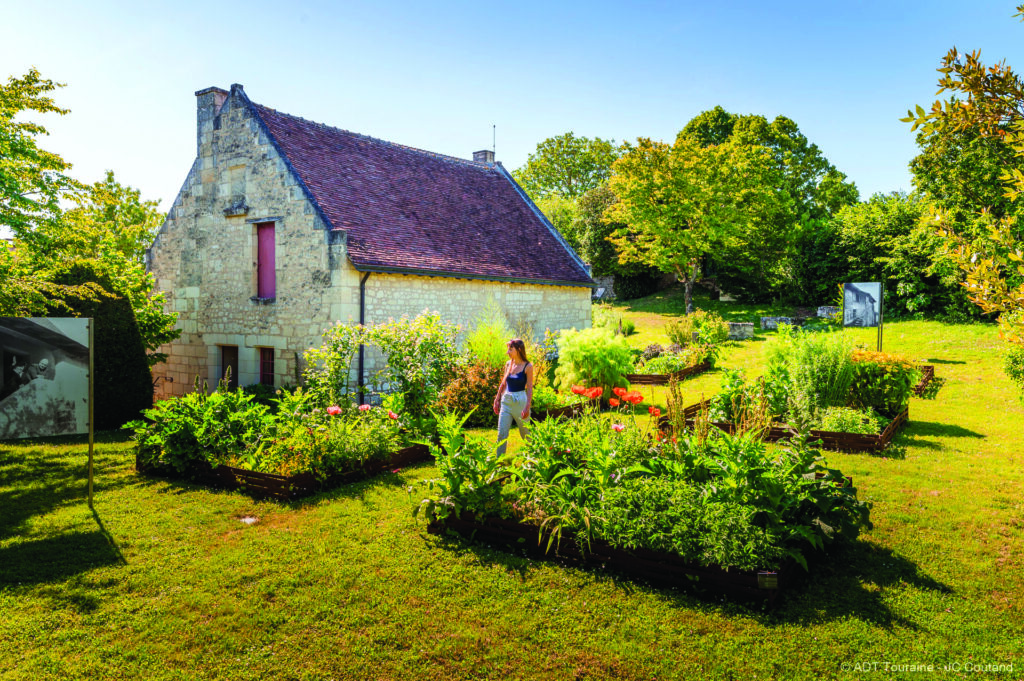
column 266, row 282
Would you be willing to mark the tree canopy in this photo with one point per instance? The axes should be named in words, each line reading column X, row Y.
column 988, row 101
column 679, row 202
column 566, row 165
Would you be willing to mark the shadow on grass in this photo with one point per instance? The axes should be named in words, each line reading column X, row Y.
column 849, row 583
column 57, row 558
column 917, row 430
column 36, row 483
column 944, row 361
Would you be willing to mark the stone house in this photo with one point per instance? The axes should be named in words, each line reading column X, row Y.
column 284, row 227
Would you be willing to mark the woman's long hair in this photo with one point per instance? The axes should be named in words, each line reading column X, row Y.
column 519, row 346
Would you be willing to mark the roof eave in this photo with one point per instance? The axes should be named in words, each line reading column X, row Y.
column 380, row 269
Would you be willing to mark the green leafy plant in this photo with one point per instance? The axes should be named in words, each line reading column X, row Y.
column 881, row 381
column 846, row 420
column 1013, row 365
column 421, row 358
column 182, row 433
column 817, row 368
column 700, row 326
column 486, row 341
column 594, row 357
column 328, row 367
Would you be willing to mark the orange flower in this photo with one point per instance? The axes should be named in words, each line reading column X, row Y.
column 633, row 397
column 595, row 393
column 619, row 391
column 654, row 411
column 579, row 389
column 613, row 402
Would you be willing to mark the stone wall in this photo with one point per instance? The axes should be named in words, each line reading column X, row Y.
column 205, row 259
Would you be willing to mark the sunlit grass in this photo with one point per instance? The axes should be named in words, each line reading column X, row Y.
column 164, row 581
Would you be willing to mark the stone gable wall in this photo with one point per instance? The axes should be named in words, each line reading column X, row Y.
column 205, row 260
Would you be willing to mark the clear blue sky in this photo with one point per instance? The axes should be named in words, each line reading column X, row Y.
column 437, row 75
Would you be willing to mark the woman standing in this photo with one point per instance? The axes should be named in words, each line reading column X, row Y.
column 515, row 392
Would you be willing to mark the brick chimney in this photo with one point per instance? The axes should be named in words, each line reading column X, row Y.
column 483, row 156
column 208, row 104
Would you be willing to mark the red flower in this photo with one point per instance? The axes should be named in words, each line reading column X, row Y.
column 654, row 411
column 617, row 427
column 364, row 407
column 334, row 410
column 595, row 393
column 613, row 402
column 633, row 397
column 392, row 415
column 579, row 389
column 619, row 391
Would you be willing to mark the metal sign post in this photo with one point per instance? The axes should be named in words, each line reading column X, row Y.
column 92, row 408
column 881, row 313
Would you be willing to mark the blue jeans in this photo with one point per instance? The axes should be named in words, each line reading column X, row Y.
column 512, row 405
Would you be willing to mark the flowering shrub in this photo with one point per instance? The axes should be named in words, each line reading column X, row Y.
column 229, row 427
column 328, row 367
column 421, row 358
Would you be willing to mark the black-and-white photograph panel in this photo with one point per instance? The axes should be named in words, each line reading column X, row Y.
column 862, row 304
column 45, row 389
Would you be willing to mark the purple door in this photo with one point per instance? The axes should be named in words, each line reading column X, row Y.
column 265, row 279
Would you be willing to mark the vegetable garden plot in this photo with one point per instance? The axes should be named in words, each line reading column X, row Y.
column 836, row 441
column 657, row 568
column 664, row 379
column 288, row 487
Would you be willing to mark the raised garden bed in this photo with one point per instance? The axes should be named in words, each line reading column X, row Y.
column 572, row 411
column 664, row 379
column 661, row 569
column 927, row 375
column 847, row 442
column 289, row 487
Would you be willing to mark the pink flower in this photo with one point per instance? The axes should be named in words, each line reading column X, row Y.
column 617, row 427
column 392, row 415
column 334, row 410
column 395, row 470
column 364, row 407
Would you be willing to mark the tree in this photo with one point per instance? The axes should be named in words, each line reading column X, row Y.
column 679, row 202
column 561, row 212
column 566, row 165
column 32, row 181
column 760, row 263
column 990, row 101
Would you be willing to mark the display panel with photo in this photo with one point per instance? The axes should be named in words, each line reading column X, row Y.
column 45, row 377
column 862, row 304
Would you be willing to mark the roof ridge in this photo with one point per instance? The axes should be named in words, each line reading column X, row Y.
column 406, row 147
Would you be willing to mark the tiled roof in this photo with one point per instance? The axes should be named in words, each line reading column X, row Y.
column 405, row 209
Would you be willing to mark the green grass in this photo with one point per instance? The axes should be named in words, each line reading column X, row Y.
column 162, row 580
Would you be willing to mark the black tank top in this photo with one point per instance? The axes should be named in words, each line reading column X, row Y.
column 517, row 382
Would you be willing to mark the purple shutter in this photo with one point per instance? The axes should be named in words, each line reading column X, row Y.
column 265, row 279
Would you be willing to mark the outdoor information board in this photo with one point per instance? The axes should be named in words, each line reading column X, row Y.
column 46, row 378
column 862, row 306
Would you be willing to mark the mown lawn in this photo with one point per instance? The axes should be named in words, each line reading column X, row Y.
column 163, row 580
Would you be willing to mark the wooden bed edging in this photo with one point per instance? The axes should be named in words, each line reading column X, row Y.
column 664, row 379
column 289, row 487
column 572, row 411
column 838, row 441
column 927, row 374
column 661, row 569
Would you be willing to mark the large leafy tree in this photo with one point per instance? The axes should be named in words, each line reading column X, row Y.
column 988, row 101
column 108, row 224
column 32, row 180
column 32, row 184
column 566, row 165
column 679, row 202
column 761, row 261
